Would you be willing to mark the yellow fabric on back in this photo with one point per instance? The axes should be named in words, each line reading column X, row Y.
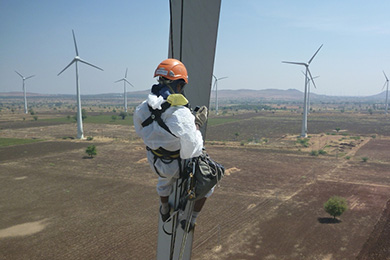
column 177, row 100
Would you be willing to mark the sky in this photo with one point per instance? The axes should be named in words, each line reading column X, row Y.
column 254, row 37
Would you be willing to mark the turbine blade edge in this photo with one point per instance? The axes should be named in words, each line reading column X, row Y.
column 75, row 44
column 90, row 64
column 66, row 67
column 315, row 54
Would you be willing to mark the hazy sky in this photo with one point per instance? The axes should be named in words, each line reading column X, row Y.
column 254, row 38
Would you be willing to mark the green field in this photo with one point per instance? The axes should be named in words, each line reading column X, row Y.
column 108, row 119
column 99, row 119
column 15, row 141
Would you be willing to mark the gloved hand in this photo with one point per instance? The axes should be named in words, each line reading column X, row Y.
column 201, row 116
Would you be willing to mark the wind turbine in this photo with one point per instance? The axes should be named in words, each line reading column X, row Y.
column 387, row 91
column 308, row 91
column 80, row 132
column 216, row 91
column 24, row 90
column 304, row 121
column 124, row 88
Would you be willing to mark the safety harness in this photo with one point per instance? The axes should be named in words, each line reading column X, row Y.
column 164, row 155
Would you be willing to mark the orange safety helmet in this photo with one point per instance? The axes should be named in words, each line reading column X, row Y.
column 172, row 69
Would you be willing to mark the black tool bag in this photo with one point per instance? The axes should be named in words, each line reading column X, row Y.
column 203, row 174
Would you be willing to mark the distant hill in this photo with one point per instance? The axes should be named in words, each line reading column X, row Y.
column 289, row 95
column 267, row 94
column 245, row 95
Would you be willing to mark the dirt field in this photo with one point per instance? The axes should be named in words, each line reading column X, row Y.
column 55, row 203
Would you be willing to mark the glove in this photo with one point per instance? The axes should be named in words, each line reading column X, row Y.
column 201, row 116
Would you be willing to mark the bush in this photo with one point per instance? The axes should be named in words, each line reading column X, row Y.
column 314, row 153
column 335, row 206
column 322, row 152
column 303, row 141
column 365, row 159
column 91, row 150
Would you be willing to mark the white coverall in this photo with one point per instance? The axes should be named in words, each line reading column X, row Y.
column 187, row 139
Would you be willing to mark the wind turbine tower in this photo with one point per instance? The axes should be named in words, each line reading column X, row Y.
column 304, row 121
column 24, row 90
column 216, row 91
column 124, row 88
column 387, row 92
column 80, row 132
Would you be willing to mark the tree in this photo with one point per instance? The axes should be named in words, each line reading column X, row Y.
column 335, row 206
column 123, row 115
column 91, row 150
column 83, row 113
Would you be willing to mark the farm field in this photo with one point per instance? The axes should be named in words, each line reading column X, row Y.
column 57, row 203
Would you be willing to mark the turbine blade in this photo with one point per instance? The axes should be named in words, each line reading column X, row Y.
column 312, row 80
column 384, row 85
column 19, row 74
column 128, row 82
column 67, row 66
column 296, row 63
column 118, row 80
column 30, row 76
column 126, row 73
column 83, row 61
column 215, row 78
column 223, row 78
column 385, row 75
column 315, row 53
column 75, row 44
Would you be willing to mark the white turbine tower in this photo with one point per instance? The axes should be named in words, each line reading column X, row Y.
column 24, row 90
column 124, row 88
column 387, row 92
column 308, row 91
column 216, row 91
column 80, row 132
column 304, row 121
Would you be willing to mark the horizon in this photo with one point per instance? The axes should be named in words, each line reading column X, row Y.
column 120, row 94
column 250, row 45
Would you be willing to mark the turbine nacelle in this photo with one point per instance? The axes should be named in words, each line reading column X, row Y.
column 23, row 77
column 386, row 82
column 124, row 79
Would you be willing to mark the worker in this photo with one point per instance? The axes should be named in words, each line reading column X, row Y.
column 170, row 131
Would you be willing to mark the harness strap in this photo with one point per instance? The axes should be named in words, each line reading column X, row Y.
column 166, row 157
column 165, row 154
column 156, row 116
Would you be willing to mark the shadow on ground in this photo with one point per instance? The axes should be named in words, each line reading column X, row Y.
column 329, row 220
